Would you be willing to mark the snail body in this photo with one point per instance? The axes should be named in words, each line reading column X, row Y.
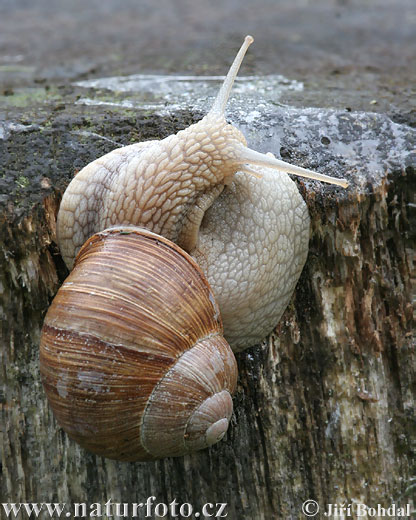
column 272, row 252
column 167, row 187
column 132, row 355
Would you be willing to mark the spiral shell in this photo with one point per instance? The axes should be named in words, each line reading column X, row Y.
column 132, row 355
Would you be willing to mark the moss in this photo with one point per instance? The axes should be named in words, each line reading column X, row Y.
column 16, row 68
column 29, row 97
column 22, row 181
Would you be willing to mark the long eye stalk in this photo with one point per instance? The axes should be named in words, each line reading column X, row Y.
column 222, row 97
column 248, row 156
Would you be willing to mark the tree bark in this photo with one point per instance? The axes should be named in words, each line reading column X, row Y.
column 325, row 406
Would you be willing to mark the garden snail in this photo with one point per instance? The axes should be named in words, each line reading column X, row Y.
column 202, row 189
column 168, row 186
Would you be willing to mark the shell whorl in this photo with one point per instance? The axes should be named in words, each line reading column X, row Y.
column 132, row 355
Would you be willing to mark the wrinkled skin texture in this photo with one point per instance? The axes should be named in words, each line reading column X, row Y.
column 155, row 185
column 253, row 244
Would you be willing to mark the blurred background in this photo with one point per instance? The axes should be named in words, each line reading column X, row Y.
column 357, row 54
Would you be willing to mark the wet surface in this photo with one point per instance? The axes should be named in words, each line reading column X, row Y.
column 169, row 93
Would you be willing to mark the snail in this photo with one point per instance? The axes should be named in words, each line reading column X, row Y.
column 203, row 178
column 119, row 380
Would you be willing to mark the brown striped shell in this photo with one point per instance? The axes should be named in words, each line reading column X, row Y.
column 132, row 355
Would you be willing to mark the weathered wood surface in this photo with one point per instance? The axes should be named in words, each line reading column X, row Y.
column 325, row 407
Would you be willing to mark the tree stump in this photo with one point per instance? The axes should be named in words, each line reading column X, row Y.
column 325, row 407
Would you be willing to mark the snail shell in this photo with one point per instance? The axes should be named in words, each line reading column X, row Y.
column 132, row 355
